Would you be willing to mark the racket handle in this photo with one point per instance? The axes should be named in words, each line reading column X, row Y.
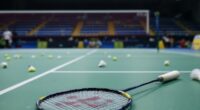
column 162, row 78
column 169, row 76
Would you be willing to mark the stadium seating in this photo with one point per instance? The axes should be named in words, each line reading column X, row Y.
column 22, row 27
column 59, row 25
column 94, row 28
column 95, row 24
column 168, row 26
column 56, row 28
column 129, row 29
column 193, row 26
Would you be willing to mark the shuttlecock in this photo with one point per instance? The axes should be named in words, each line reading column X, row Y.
column 109, row 56
column 50, row 56
column 42, row 54
column 33, row 56
column 6, row 55
column 8, row 58
column 114, row 58
column 31, row 68
column 59, row 57
column 195, row 74
column 4, row 65
column 102, row 63
column 17, row 56
column 128, row 55
column 166, row 63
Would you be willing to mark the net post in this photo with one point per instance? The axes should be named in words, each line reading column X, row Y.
column 147, row 22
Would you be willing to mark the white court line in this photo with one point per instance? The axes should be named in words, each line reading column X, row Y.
column 116, row 72
column 182, row 53
column 45, row 73
column 22, row 51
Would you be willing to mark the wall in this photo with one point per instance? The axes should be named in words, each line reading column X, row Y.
column 196, row 12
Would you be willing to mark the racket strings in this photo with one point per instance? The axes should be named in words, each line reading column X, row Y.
column 86, row 100
column 96, row 107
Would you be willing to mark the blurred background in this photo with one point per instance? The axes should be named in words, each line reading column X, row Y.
column 138, row 41
column 99, row 23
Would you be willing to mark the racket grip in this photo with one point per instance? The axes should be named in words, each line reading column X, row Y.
column 169, row 76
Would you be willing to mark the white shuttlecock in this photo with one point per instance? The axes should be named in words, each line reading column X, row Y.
column 17, row 56
column 50, row 56
column 166, row 62
column 195, row 74
column 59, row 57
column 102, row 63
column 4, row 65
column 31, row 69
column 109, row 56
column 42, row 54
column 33, row 56
column 128, row 55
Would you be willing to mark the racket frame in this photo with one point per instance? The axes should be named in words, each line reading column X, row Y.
column 122, row 93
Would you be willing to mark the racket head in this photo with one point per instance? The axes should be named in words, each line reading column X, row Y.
column 86, row 99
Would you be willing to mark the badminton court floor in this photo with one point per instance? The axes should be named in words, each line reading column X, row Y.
column 77, row 68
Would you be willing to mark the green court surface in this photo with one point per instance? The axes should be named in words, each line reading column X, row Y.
column 19, row 89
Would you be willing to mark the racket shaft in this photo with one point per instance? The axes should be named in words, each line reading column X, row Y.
column 135, row 87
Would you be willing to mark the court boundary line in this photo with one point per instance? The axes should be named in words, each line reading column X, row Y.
column 116, row 72
column 180, row 53
column 15, row 86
